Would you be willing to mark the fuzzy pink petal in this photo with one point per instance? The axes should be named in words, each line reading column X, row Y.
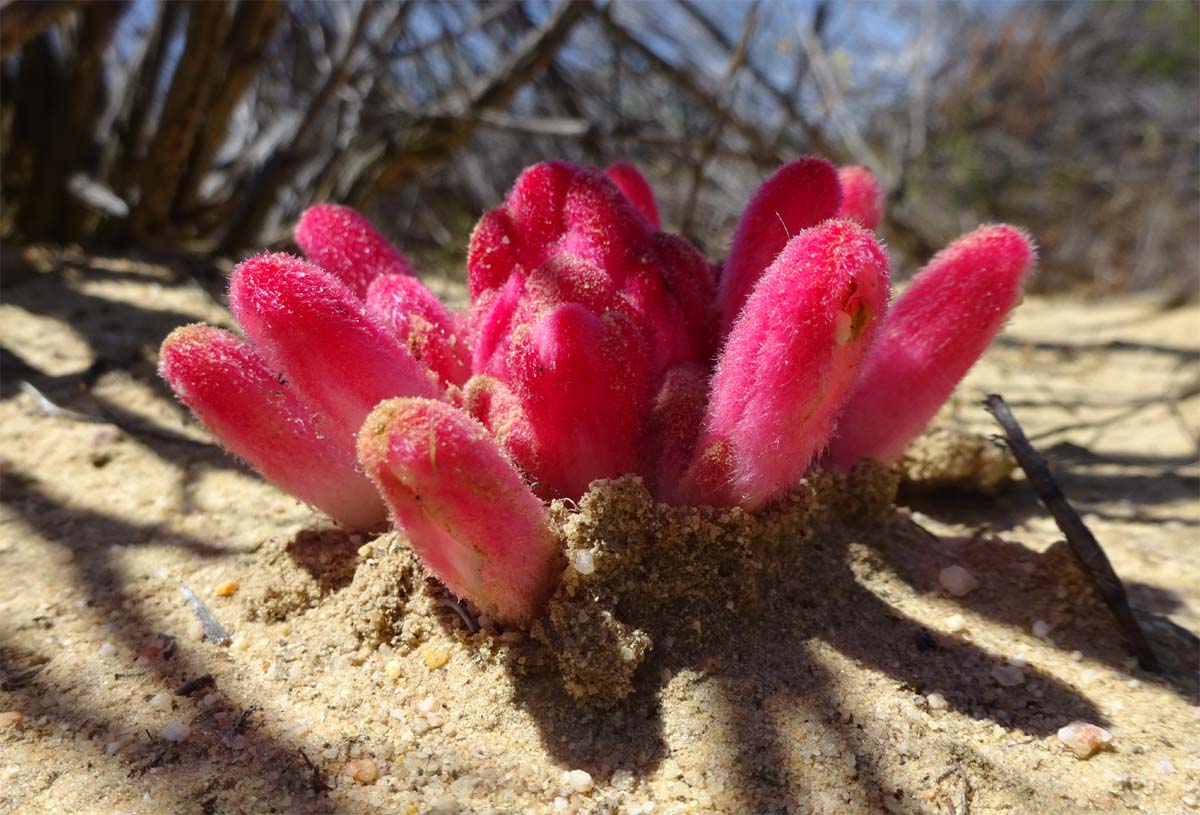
column 345, row 244
column 637, row 189
column 491, row 254
column 602, row 226
column 862, row 198
column 463, row 505
column 310, row 326
column 801, row 193
column 581, row 381
column 535, row 208
column 659, row 314
column 944, row 321
column 495, row 405
column 418, row 318
column 493, row 315
column 692, row 281
column 788, row 365
column 672, row 427
column 233, row 391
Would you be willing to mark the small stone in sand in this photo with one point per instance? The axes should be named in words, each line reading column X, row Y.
column 1084, row 739
column 106, row 649
column 363, row 770
column 957, row 580
column 393, row 669
column 435, row 657
column 956, row 623
column 226, row 589
column 1008, row 676
column 583, row 561
column 176, row 731
column 429, row 704
column 577, row 781
column 936, row 701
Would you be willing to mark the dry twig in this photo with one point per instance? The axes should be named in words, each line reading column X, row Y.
column 1083, row 543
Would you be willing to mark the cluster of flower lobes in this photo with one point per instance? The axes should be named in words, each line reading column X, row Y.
column 595, row 345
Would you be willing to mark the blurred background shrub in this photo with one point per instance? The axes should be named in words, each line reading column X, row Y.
column 206, row 127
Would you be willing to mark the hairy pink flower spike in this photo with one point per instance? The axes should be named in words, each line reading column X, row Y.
column 801, row 193
column 942, row 323
column 418, row 318
column 637, row 189
column 672, row 428
column 345, row 244
column 339, row 359
column 581, row 381
column 862, row 198
column 233, row 391
column 788, row 365
column 464, row 507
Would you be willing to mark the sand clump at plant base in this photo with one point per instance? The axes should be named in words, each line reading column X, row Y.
column 837, row 675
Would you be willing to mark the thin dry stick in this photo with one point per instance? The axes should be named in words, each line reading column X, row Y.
column 213, row 630
column 1083, row 543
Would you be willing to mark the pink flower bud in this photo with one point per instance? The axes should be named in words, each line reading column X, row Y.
column 235, row 394
column 418, row 318
column 801, row 193
column 307, row 324
column 862, row 199
column 463, row 505
column 345, row 244
column 637, row 189
column 944, row 321
column 788, row 365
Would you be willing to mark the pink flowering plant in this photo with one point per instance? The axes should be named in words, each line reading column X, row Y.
column 595, row 345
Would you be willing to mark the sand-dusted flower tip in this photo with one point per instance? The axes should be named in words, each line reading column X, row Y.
column 465, row 508
column 595, row 345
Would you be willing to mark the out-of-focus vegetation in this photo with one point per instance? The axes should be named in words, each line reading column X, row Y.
column 207, row 126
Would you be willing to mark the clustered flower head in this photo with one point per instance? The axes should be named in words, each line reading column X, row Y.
column 595, row 346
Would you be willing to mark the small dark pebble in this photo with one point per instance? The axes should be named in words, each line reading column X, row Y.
column 925, row 641
column 193, row 685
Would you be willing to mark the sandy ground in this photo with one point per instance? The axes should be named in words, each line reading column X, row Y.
column 856, row 685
